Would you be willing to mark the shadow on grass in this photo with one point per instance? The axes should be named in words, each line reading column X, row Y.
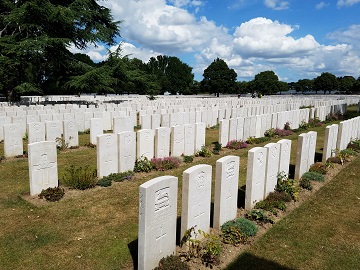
column 251, row 262
column 291, row 171
column 133, row 248
column 318, row 157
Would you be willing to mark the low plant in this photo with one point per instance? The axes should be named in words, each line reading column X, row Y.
column 188, row 159
column 289, row 186
column 271, row 205
column 192, row 244
column 331, row 117
column 120, row 177
column 315, row 122
column 304, row 125
column 80, row 177
column 203, row 152
column 217, row 148
column 246, row 228
column 61, row 144
column 305, row 183
column 319, row 167
column 313, row 176
column 172, row 262
column 143, row 164
column 253, row 140
column 283, row 132
column 354, row 145
column 104, row 182
column 52, row 194
column 270, row 133
column 235, row 144
column 166, row 163
column 259, row 215
column 90, row 145
column 210, row 249
column 287, row 126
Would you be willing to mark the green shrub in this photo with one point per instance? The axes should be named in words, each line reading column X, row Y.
column 289, row 186
column 211, row 249
column 235, row 144
column 52, row 194
column 119, row 177
column 217, row 148
column 354, row 145
column 305, row 184
column 104, row 182
column 166, row 163
column 303, row 125
column 188, row 159
column 61, row 144
column 271, row 206
column 80, row 177
column 287, row 126
column 259, row 215
column 172, row 262
column 270, row 133
column 204, row 152
column 246, row 227
column 313, row 176
column 319, row 167
column 143, row 164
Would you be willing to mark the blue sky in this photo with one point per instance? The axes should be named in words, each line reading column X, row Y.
column 296, row 39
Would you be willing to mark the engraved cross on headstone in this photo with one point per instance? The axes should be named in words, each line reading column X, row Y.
column 159, row 238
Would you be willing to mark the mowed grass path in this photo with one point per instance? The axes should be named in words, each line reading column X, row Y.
column 92, row 229
column 323, row 233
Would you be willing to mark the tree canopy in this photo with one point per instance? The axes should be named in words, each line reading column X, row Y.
column 35, row 36
column 219, row 78
column 326, row 82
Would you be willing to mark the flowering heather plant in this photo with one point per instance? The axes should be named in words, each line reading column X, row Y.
column 166, row 163
column 235, row 144
column 283, row 132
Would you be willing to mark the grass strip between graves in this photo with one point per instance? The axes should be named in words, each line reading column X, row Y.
column 323, row 233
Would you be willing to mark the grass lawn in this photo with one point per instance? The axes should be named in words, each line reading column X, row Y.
column 97, row 228
column 323, row 233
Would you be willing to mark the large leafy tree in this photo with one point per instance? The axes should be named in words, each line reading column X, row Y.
column 304, row 85
column 267, row 82
column 35, row 36
column 326, row 82
column 173, row 75
column 346, row 84
column 219, row 78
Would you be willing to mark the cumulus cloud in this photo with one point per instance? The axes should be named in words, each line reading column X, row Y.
column 151, row 28
column 347, row 3
column 322, row 5
column 277, row 4
column 265, row 38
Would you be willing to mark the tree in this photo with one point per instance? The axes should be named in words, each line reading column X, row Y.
column 346, row 84
column 267, row 82
column 35, row 36
column 304, row 85
column 174, row 76
column 219, row 78
column 326, row 82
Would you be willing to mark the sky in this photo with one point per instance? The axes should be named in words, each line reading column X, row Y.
column 297, row 39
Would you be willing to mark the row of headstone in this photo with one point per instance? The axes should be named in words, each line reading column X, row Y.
column 118, row 152
column 158, row 207
column 348, row 130
column 37, row 132
column 264, row 165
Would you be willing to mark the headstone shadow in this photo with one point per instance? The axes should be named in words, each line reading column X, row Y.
column 133, row 248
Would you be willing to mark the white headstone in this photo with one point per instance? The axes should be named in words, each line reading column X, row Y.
column 224, row 132
column 96, row 128
column 53, row 130
column 200, row 130
column 272, row 167
column 285, row 151
column 71, row 135
column 13, row 143
column 189, row 139
column 162, row 142
column 107, row 155
column 302, row 155
column 226, row 190
column 255, row 176
column 43, row 172
column 127, row 150
column 157, row 221
column 145, row 143
column 177, row 141
column 36, row 132
column 196, row 198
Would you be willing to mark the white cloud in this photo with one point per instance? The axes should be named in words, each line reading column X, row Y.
column 322, row 5
column 265, row 38
column 347, row 3
column 277, row 4
column 350, row 36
